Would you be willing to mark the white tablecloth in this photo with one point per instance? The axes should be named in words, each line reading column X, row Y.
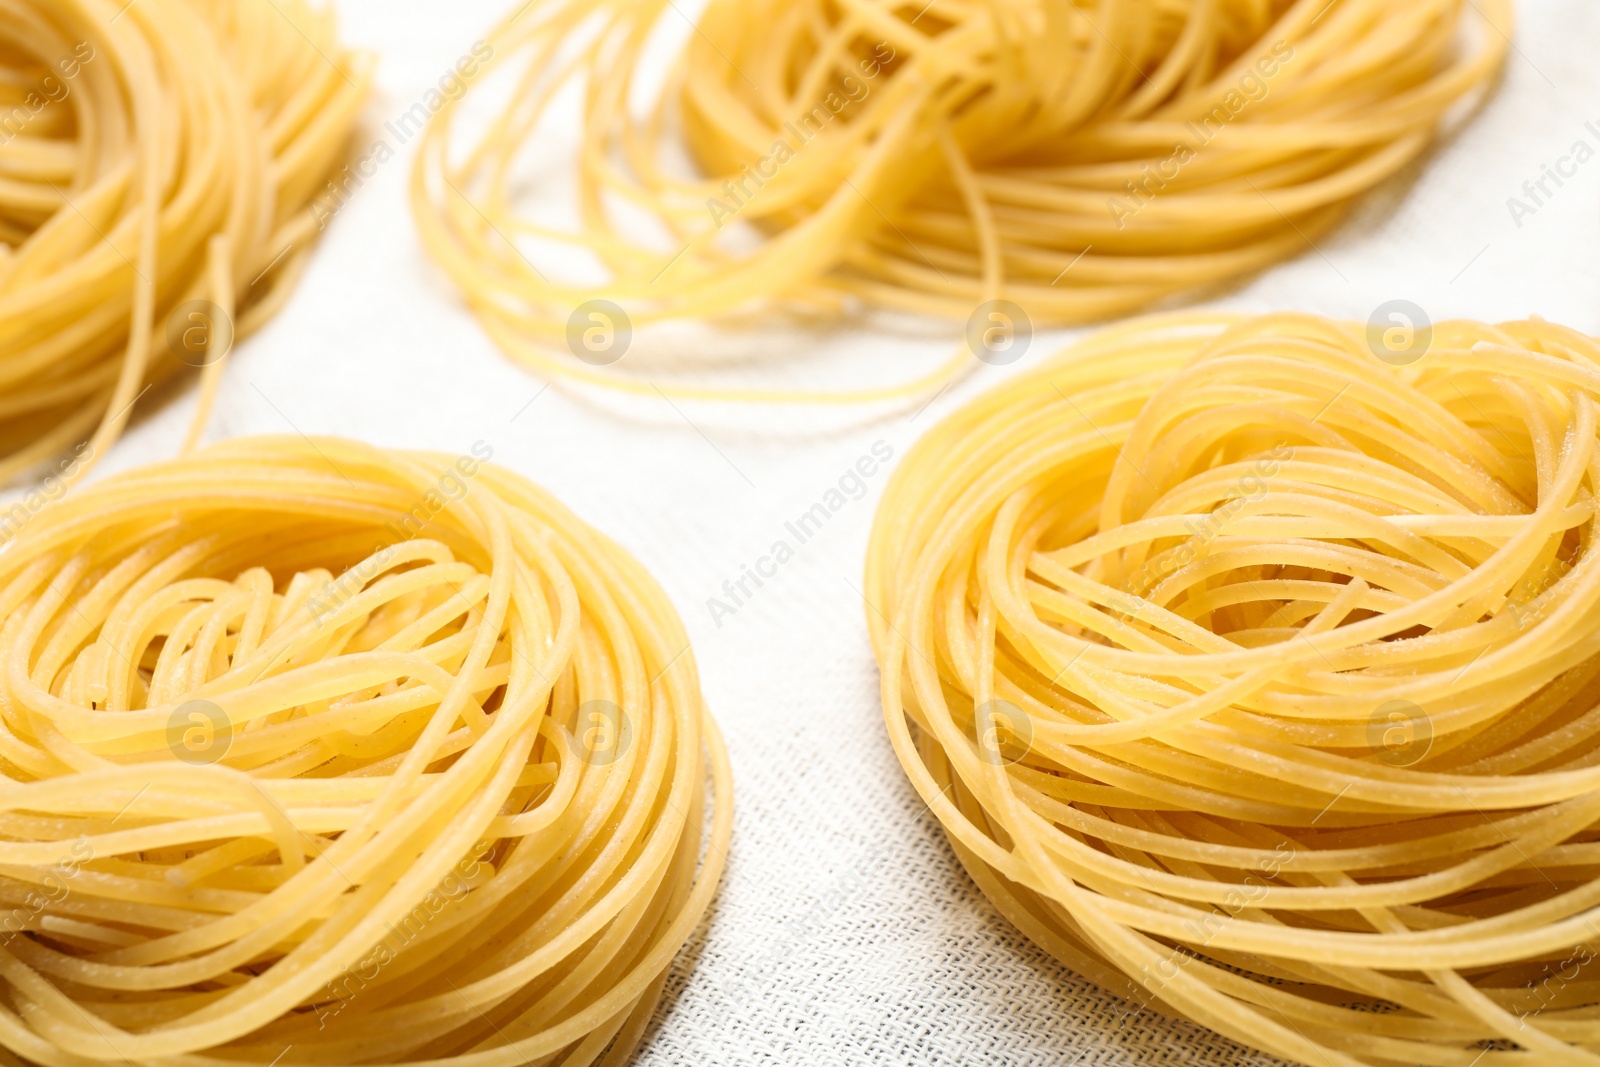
column 845, row 932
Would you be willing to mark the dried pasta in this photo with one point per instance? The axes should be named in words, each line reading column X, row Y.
column 158, row 160
column 315, row 753
column 1252, row 667
column 1079, row 160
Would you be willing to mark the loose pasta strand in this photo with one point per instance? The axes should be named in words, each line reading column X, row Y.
column 137, row 136
column 1078, row 160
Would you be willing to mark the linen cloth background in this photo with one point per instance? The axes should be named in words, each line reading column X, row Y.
column 845, row 931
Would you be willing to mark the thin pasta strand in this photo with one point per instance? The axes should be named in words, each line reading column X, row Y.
column 131, row 135
column 218, row 258
column 1078, row 160
column 1252, row 670
column 315, row 753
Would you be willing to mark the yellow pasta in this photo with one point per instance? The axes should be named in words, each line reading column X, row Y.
column 1077, row 159
column 156, row 158
column 319, row 754
column 1252, row 668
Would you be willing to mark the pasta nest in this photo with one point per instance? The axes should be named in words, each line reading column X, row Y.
column 165, row 169
column 1252, row 667
column 315, row 753
column 1077, row 160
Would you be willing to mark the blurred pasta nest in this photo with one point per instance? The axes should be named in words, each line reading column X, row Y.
column 1252, row 667
column 158, row 160
column 1077, row 159
column 314, row 753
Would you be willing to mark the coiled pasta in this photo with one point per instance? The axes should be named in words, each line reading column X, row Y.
column 317, row 754
column 1079, row 160
column 157, row 162
column 1252, row 667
